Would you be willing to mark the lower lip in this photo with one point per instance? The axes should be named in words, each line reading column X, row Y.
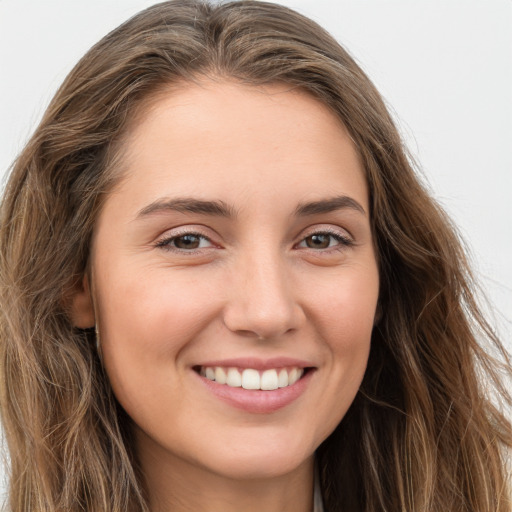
column 257, row 401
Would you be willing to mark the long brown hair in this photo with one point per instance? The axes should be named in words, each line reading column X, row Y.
column 423, row 433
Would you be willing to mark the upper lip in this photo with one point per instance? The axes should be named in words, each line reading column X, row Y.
column 258, row 363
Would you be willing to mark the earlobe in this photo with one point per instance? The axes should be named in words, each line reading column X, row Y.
column 82, row 309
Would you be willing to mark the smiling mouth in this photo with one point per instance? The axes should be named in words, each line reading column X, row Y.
column 252, row 379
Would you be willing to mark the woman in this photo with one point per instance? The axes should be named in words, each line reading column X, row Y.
column 219, row 271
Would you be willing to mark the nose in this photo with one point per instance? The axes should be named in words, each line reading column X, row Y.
column 262, row 303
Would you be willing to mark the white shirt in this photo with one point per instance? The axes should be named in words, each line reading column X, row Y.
column 318, row 505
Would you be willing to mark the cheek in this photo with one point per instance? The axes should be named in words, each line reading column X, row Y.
column 344, row 309
column 344, row 306
column 156, row 311
column 145, row 324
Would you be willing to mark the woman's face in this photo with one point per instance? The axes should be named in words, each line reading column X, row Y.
column 237, row 246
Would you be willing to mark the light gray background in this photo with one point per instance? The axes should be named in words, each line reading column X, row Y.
column 444, row 66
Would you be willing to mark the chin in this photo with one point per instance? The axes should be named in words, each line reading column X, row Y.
column 259, row 460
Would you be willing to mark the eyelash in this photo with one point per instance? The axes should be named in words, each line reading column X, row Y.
column 343, row 242
column 166, row 242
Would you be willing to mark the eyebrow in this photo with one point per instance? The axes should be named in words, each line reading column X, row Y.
column 328, row 205
column 222, row 209
column 189, row 205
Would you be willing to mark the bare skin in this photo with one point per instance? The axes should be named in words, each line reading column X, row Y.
column 239, row 231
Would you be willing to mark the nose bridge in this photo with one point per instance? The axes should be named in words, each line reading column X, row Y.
column 262, row 302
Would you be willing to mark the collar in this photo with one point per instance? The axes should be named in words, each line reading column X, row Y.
column 318, row 505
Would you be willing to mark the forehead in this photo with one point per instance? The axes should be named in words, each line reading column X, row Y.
column 221, row 138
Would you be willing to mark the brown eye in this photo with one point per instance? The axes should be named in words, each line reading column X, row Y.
column 318, row 241
column 187, row 242
column 326, row 241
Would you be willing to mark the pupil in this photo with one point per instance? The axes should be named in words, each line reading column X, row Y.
column 318, row 241
column 187, row 242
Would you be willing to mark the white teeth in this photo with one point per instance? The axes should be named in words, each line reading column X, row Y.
column 249, row 378
column 295, row 375
column 283, row 378
column 269, row 380
column 234, row 378
column 220, row 375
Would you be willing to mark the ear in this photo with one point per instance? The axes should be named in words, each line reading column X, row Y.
column 82, row 308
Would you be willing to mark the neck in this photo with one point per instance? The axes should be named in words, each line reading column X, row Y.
column 177, row 485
